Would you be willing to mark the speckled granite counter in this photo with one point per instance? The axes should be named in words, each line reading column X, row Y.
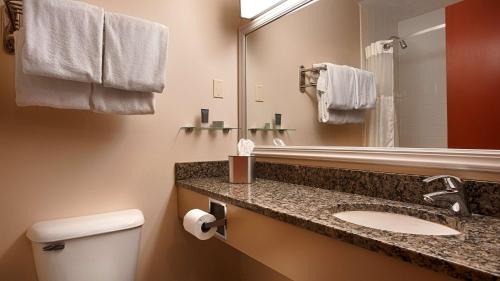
column 472, row 255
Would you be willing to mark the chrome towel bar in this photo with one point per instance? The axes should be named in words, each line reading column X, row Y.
column 14, row 11
column 302, row 77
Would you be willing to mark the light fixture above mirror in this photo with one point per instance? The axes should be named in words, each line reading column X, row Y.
column 251, row 9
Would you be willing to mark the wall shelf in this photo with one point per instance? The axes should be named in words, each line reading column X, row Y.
column 282, row 130
column 194, row 128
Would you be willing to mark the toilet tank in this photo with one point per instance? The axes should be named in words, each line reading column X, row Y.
column 102, row 247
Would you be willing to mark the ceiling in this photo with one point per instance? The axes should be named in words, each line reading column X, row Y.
column 404, row 9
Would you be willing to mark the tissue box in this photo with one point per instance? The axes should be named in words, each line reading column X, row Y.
column 241, row 169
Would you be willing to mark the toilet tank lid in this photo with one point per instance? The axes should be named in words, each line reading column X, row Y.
column 77, row 227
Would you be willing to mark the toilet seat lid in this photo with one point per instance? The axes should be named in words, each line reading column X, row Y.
column 77, row 227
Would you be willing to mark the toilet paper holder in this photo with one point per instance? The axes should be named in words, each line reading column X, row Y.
column 208, row 225
column 219, row 210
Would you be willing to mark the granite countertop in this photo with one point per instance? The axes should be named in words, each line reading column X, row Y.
column 472, row 255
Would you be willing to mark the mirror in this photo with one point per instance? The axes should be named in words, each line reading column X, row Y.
column 435, row 66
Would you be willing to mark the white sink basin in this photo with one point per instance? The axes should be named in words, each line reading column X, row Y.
column 395, row 223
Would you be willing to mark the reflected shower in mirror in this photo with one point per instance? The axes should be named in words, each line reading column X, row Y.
column 377, row 73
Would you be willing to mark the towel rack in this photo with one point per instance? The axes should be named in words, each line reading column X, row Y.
column 14, row 11
column 302, row 76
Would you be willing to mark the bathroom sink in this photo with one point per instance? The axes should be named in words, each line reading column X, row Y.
column 395, row 223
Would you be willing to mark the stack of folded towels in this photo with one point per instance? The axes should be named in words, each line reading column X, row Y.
column 344, row 93
column 77, row 56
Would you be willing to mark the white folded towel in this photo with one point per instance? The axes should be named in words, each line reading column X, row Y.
column 340, row 117
column 135, row 54
column 367, row 93
column 63, row 40
column 338, row 82
column 337, row 117
column 346, row 88
column 34, row 90
column 115, row 101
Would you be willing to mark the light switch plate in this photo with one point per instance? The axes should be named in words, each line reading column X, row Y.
column 218, row 88
column 259, row 93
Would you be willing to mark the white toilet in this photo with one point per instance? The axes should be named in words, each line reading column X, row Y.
column 102, row 247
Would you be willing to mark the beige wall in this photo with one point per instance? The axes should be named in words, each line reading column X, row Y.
column 61, row 163
column 325, row 31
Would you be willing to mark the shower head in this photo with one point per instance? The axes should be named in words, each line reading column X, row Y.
column 402, row 43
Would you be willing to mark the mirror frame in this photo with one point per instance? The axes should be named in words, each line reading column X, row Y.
column 456, row 159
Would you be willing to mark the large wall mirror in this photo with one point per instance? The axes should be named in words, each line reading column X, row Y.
column 434, row 66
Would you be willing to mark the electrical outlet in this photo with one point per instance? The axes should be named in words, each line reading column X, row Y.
column 259, row 93
column 218, row 89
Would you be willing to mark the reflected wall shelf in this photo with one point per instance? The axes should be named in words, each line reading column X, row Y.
column 281, row 131
column 193, row 128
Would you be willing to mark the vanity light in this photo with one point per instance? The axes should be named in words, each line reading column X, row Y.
column 251, row 9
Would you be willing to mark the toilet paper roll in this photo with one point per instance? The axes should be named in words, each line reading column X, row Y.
column 193, row 221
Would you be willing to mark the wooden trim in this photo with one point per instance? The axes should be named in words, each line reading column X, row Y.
column 454, row 159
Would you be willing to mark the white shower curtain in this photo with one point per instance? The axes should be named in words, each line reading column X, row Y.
column 380, row 128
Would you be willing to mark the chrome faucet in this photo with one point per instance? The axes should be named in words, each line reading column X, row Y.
column 453, row 194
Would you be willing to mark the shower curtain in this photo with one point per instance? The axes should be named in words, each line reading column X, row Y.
column 380, row 128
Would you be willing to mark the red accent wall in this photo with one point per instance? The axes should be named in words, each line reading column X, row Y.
column 473, row 74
